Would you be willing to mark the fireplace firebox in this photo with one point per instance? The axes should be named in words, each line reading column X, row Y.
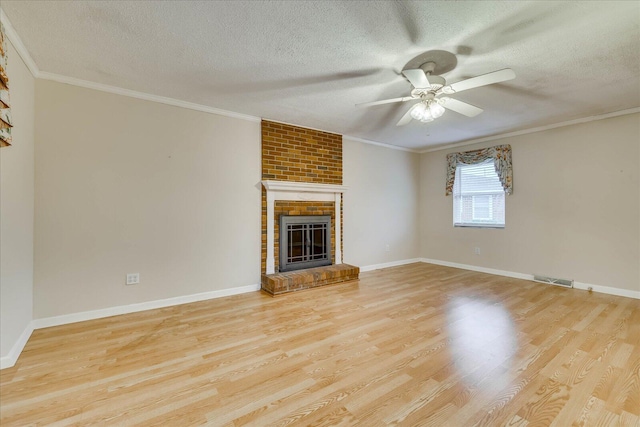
column 305, row 241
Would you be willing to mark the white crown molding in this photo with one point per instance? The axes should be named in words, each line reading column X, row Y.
column 351, row 138
column 16, row 41
column 380, row 144
column 535, row 129
column 144, row 96
column 300, row 126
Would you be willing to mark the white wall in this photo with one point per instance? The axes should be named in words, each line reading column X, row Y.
column 130, row 186
column 380, row 205
column 16, row 214
column 574, row 212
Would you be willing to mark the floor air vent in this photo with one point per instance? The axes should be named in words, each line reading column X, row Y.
column 566, row 283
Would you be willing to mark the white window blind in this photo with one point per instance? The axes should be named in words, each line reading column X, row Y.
column 478, row 196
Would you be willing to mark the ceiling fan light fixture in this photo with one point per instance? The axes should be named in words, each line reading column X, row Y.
column 426, row 111
column 427, row 86
column 436, row 109
column 420, row 111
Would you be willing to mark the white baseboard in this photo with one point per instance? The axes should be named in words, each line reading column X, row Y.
column 577, row 285
column 133, row 308
column 389, row 264
column 607, row 290
column 10, row 359
column 479, row 269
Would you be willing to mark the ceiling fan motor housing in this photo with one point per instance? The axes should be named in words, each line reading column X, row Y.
column 435, row 83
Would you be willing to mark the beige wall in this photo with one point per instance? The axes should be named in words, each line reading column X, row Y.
column 16, row 210
column 119, row 190
column 131, row 186
column 380, row 205
column 574, row 212
column 124, row 185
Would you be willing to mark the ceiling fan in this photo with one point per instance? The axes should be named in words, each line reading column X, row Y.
column 428, row 88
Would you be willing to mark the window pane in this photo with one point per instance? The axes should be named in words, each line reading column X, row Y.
column 481, row 208
column 478, row 196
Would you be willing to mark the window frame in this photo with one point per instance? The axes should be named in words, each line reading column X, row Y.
column 459, row 195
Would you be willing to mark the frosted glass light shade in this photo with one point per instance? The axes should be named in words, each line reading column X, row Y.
column 419, row 111
column 436, row 109
column 426, row 111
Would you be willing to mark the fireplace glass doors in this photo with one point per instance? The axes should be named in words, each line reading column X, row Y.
column 305, row 241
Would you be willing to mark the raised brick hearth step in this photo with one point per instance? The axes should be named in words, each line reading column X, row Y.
column 280, row 283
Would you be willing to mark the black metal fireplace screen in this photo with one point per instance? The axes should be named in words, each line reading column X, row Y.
column 305, row 241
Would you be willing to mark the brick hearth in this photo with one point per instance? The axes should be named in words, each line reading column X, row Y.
column 280, row 283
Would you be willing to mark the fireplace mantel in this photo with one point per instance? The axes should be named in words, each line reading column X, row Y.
column 300, row 191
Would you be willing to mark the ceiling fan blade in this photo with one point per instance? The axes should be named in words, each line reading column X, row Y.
column 407, row 116
column 482, row 80
column 460, row 107
column 385, row 101
column 418, row 78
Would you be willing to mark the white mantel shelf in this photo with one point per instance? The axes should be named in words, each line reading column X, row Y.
column 303, row 187
column 303, row 192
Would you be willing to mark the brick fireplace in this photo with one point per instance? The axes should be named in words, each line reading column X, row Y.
column 301, row 176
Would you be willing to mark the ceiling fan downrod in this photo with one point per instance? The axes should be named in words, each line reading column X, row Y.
column 428, row 67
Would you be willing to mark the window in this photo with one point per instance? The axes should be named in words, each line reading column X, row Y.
column 478, row 196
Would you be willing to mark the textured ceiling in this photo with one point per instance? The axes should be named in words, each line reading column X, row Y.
column 309, row 62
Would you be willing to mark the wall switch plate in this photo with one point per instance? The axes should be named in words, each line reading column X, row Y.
column 133, row 278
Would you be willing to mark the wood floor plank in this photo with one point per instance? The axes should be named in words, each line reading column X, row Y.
column 415, row 345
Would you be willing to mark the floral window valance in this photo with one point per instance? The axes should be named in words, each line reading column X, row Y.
column 5, row 110
column 501, row 155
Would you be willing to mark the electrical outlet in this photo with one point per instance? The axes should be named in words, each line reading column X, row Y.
column 133, row 278
column 476, row 250
column 387, row 248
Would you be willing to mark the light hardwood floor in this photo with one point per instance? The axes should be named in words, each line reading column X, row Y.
column 412, row 345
